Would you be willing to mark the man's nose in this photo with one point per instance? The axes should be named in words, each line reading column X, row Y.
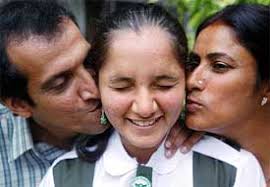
column 88, row 88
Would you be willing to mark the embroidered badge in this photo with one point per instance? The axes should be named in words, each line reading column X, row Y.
column 140, row 181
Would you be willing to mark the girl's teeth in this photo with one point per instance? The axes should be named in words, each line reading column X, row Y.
column 143, row 123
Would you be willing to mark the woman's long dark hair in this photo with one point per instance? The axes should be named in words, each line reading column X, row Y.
column 250, row 23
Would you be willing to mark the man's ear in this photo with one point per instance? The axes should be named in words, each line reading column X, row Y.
column 19, row 107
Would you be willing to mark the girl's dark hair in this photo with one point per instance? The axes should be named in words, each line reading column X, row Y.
column 250, row 23
column 136, row 18
column 133, row 18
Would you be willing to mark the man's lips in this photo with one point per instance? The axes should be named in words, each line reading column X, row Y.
column 93, row 106
column 193, row 105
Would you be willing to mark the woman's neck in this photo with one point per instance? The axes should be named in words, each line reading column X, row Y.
column 259, row 145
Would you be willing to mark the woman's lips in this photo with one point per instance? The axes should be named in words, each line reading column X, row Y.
column 193, row 105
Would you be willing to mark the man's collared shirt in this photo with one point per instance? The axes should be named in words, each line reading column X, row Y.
column 22, row 164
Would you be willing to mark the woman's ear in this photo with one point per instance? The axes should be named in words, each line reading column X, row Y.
column 267, row 90
column 265, row 94
column 19, row 107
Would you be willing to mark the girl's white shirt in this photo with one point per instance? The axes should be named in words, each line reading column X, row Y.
column 117, row 168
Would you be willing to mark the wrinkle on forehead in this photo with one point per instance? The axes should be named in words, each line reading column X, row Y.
column 49, row 36
column 39, row 46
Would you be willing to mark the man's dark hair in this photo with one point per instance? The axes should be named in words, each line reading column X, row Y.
column 250, row 23
column 19, row 20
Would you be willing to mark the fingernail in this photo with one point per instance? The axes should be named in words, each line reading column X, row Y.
column 168, row 144
column 168, row 154
column 184, row 149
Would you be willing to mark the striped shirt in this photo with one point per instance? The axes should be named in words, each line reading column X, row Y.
column 22, row 163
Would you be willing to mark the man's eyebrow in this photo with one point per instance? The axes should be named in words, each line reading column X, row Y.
column 45, row 86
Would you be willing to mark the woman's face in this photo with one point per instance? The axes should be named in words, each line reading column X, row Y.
column 142, row 86
column 221, row 82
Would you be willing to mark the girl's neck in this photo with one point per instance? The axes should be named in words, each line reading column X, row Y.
column 142, row 155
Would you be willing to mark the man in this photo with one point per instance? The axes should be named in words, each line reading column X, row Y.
column 44, row 80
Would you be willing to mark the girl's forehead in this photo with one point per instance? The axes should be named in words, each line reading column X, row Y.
column 150, row 39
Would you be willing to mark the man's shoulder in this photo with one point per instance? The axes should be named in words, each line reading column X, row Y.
column 15, row 134
column 8, row 115
column 3, row 110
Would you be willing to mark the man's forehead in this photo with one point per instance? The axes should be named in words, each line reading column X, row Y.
column 37, row 54
column 42, row 45
column 67, row 31
column 35, row 48
column 28, row 46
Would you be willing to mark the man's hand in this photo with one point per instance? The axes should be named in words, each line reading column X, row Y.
column 180, row 137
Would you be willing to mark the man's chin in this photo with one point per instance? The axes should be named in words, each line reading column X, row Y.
column 96, row 129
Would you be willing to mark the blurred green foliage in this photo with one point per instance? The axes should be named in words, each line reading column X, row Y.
column 192, row 12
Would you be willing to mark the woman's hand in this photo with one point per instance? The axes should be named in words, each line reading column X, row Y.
column 182, row 138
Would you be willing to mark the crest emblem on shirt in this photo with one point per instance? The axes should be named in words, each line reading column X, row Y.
column 140, row 181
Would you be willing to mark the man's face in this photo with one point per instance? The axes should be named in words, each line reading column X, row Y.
column 65, row 95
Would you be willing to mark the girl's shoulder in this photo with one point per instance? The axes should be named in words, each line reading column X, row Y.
column 248, row 171
column 48, row 179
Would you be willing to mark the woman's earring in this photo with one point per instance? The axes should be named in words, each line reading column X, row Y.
column 103, row 118
column 264, row 101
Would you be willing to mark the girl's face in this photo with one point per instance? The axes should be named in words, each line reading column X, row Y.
column 221, row 82
column 142, row 86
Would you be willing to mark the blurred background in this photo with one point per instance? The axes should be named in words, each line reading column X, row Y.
column 189, row 12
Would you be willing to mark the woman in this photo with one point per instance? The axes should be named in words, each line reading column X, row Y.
column 140, row 55
column 228, row 80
